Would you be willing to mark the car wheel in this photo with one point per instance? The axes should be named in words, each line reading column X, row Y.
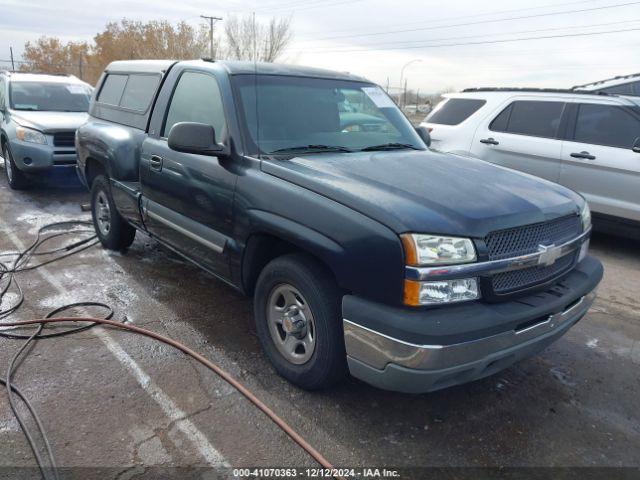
column 112, row 230
column 298, row 321
column 16, row 179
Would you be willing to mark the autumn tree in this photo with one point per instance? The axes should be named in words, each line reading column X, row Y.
column 243, row 39
column 247, row 39
column 129, row 40
column 125, row 40
column 50, row 55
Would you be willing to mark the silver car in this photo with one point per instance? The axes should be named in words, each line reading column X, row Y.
column 39, row 115
column 589, row 142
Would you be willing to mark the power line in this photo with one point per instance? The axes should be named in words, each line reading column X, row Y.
column 402, row 42
column 584, row 34
column 437, row 27
column 458, row 17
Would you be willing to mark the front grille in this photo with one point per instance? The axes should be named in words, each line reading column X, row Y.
column 519, row 241
column 64, row 139
column 529, row 277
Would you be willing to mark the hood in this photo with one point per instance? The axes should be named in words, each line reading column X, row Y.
column 49, row 121
column 429, row 192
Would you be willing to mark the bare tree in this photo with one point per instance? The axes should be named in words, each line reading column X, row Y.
column 246, row 39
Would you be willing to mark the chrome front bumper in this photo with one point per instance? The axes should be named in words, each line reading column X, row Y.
column 394, row 364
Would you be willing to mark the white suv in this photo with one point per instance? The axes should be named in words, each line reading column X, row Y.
column 589, row 142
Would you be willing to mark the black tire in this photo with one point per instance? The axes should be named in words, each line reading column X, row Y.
column 16, row 178
column 119, row 235
column 327, row 364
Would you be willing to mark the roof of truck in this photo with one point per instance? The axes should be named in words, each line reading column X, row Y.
column 264, row 68
column 233, row 67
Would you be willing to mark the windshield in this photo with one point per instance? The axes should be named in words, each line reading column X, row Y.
column 51, row 97
column 310, row 114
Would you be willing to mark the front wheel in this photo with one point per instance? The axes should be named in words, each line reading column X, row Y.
column 113, row 231
column 297, row 312
column 16, row 179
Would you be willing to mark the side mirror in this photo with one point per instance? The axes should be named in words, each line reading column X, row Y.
column 193, row 137
column 636, row 145
column 423, row 133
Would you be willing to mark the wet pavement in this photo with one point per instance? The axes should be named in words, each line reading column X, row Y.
column 119, row 401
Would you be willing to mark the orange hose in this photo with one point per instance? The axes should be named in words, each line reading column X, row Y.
column 284, row 426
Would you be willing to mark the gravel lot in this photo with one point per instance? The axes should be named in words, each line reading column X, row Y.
column 130, row 406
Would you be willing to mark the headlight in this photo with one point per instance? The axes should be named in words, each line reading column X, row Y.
column 423, row 249
column 585, row 216
column 442, row 291
column 30, row 135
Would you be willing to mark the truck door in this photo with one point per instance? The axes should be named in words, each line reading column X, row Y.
column 598, row 159
column 523, row 136
column 188, row 198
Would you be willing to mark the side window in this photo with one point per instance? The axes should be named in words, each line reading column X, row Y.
column 455, row 110
column 536, row 119
column 499, row 124
column 2, row 87
column 111, row 91
column 606, row 125
column 196, row 98
column 139, row 91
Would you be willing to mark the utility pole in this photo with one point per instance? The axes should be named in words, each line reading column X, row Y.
column 80, row 66
column 13, row 66
column 402, row 75
column 212, row 21
column 404, row 102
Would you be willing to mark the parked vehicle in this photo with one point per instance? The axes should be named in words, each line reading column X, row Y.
column 587, row 142
column 621, row 85
column 39, row 115
column 363, row 250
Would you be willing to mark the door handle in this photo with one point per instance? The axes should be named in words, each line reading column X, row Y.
column 586, row 155
column 489, row 141
column 155, row 163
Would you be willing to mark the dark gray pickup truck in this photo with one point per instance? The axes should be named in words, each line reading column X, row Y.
column 365, row 252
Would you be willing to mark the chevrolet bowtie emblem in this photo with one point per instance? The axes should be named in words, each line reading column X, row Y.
column 548, row 254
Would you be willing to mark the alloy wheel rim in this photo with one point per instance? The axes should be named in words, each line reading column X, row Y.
column 7, row 166
column 291, row 324
column 103, row 213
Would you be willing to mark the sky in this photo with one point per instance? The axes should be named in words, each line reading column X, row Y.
column 433, row 46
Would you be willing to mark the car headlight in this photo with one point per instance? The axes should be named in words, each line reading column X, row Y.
column 585, row 216
column 440, row 292
column 30, row 135
column 421, row 249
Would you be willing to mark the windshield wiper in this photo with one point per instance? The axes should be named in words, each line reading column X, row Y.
column 312, row 148
column 389, row 146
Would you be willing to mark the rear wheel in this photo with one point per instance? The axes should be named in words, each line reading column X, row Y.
column 297, row 312
column 16, row 179
column 112, row 230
